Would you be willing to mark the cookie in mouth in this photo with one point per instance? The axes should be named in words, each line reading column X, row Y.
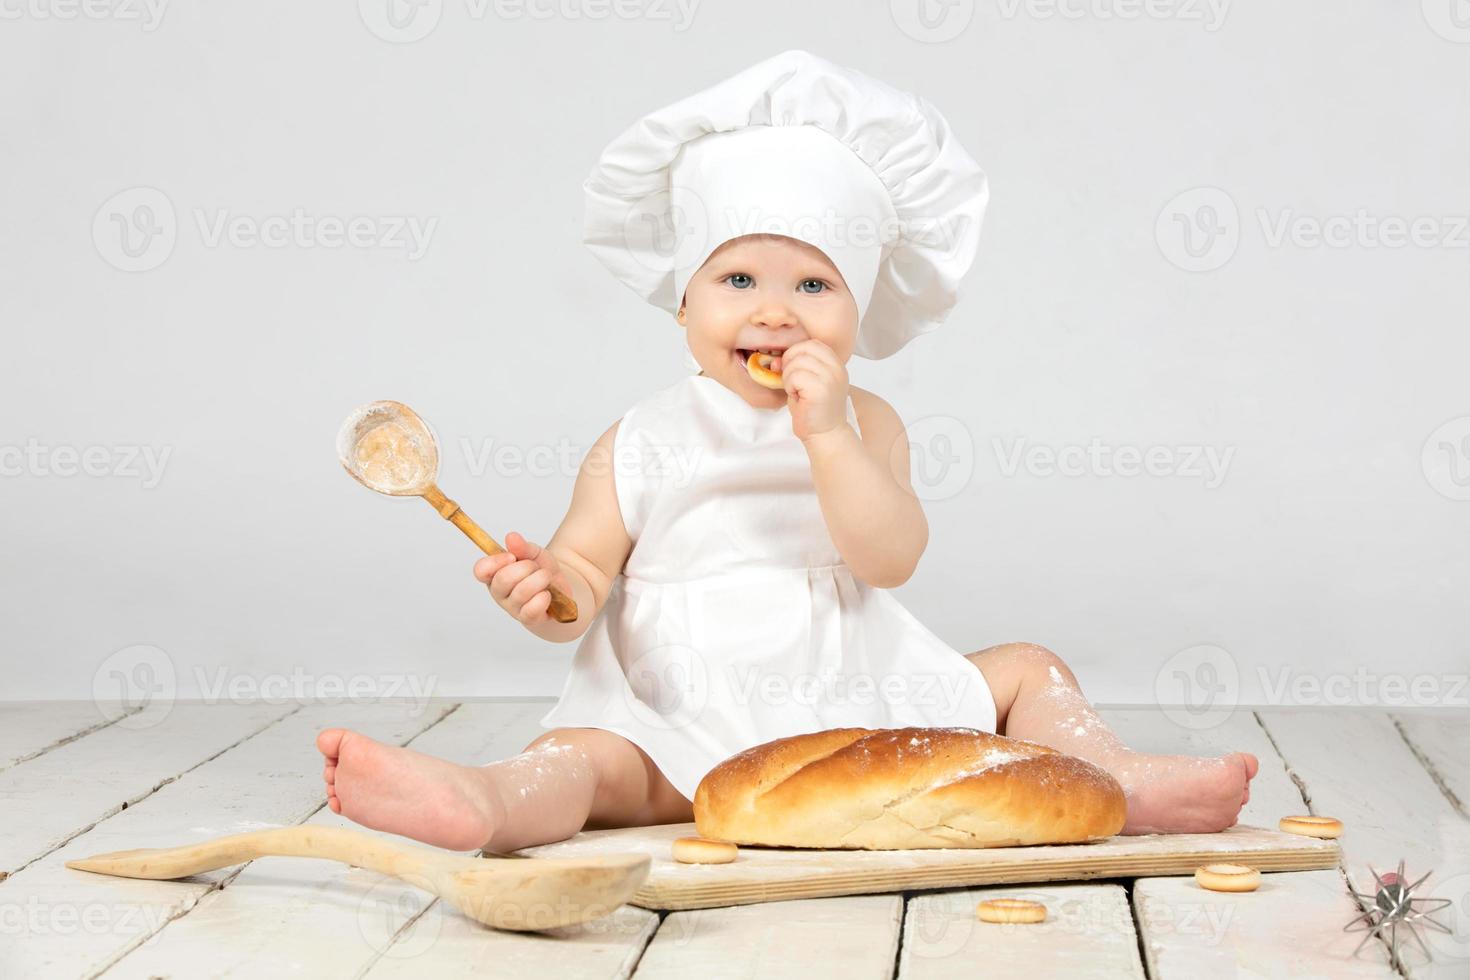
column 759, row 365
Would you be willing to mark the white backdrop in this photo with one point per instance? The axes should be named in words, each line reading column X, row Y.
column 1229, row 235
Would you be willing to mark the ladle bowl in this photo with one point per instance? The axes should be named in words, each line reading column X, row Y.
column 386, row 446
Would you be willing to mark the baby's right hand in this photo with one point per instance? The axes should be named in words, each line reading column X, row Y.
column 519, row 577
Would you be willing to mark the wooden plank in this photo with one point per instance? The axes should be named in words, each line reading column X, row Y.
column 1289, row 927
column 1439, row 737
column 29, row 728
column 59, row 794
column 1354, row 765
column 290, row 905
column 443, row 942
column 764, row 874
column 1088, row 932
column 854, row 937
column 78, row 923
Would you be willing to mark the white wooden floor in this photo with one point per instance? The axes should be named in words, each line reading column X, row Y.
column 73, row 783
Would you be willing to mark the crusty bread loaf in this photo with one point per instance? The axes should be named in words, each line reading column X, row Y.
column 888, row 788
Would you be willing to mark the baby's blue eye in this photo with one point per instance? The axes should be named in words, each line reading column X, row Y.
column 820, row 284
column 737, row 275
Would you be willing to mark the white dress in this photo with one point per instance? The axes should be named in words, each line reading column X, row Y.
column 735, row 620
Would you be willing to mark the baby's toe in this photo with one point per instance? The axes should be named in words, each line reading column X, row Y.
column 329, row 742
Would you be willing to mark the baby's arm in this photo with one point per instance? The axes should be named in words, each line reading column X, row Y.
column 868, row 502
column 591, row 544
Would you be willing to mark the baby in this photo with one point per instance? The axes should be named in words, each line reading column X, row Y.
column 663, row 578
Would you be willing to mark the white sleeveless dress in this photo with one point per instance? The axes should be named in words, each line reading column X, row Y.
column 735, row 620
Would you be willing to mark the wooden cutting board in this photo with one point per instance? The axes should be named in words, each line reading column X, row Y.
column 774, row 874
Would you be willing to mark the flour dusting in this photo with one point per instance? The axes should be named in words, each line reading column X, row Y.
column 389, row 448
column 991, row 759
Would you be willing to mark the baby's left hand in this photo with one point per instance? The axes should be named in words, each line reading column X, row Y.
column 815, row 380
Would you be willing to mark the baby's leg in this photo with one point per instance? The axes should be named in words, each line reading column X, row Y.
column 1037, row 698
column 564, row 780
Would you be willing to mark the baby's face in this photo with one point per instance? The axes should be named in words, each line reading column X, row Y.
column 765, row 291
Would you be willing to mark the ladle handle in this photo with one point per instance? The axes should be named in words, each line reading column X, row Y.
column 333, row 843
column 563, row 608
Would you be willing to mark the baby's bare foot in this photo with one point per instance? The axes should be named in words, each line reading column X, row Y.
column 1184, row 794
column 406, row 792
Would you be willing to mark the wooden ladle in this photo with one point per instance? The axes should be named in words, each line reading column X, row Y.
column 388, row 448
column 525, row 894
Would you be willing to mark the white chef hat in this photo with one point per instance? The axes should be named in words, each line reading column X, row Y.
column 796, row 146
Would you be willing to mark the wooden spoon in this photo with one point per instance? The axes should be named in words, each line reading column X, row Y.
column 386, row 447
column 525, row 894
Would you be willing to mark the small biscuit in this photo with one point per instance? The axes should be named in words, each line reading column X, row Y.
column 1010, row 910
column 758, row 366
column 1312, row 826
column 1228, row 878
column 702, row 850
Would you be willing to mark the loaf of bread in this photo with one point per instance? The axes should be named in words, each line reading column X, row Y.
column 889, row 788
